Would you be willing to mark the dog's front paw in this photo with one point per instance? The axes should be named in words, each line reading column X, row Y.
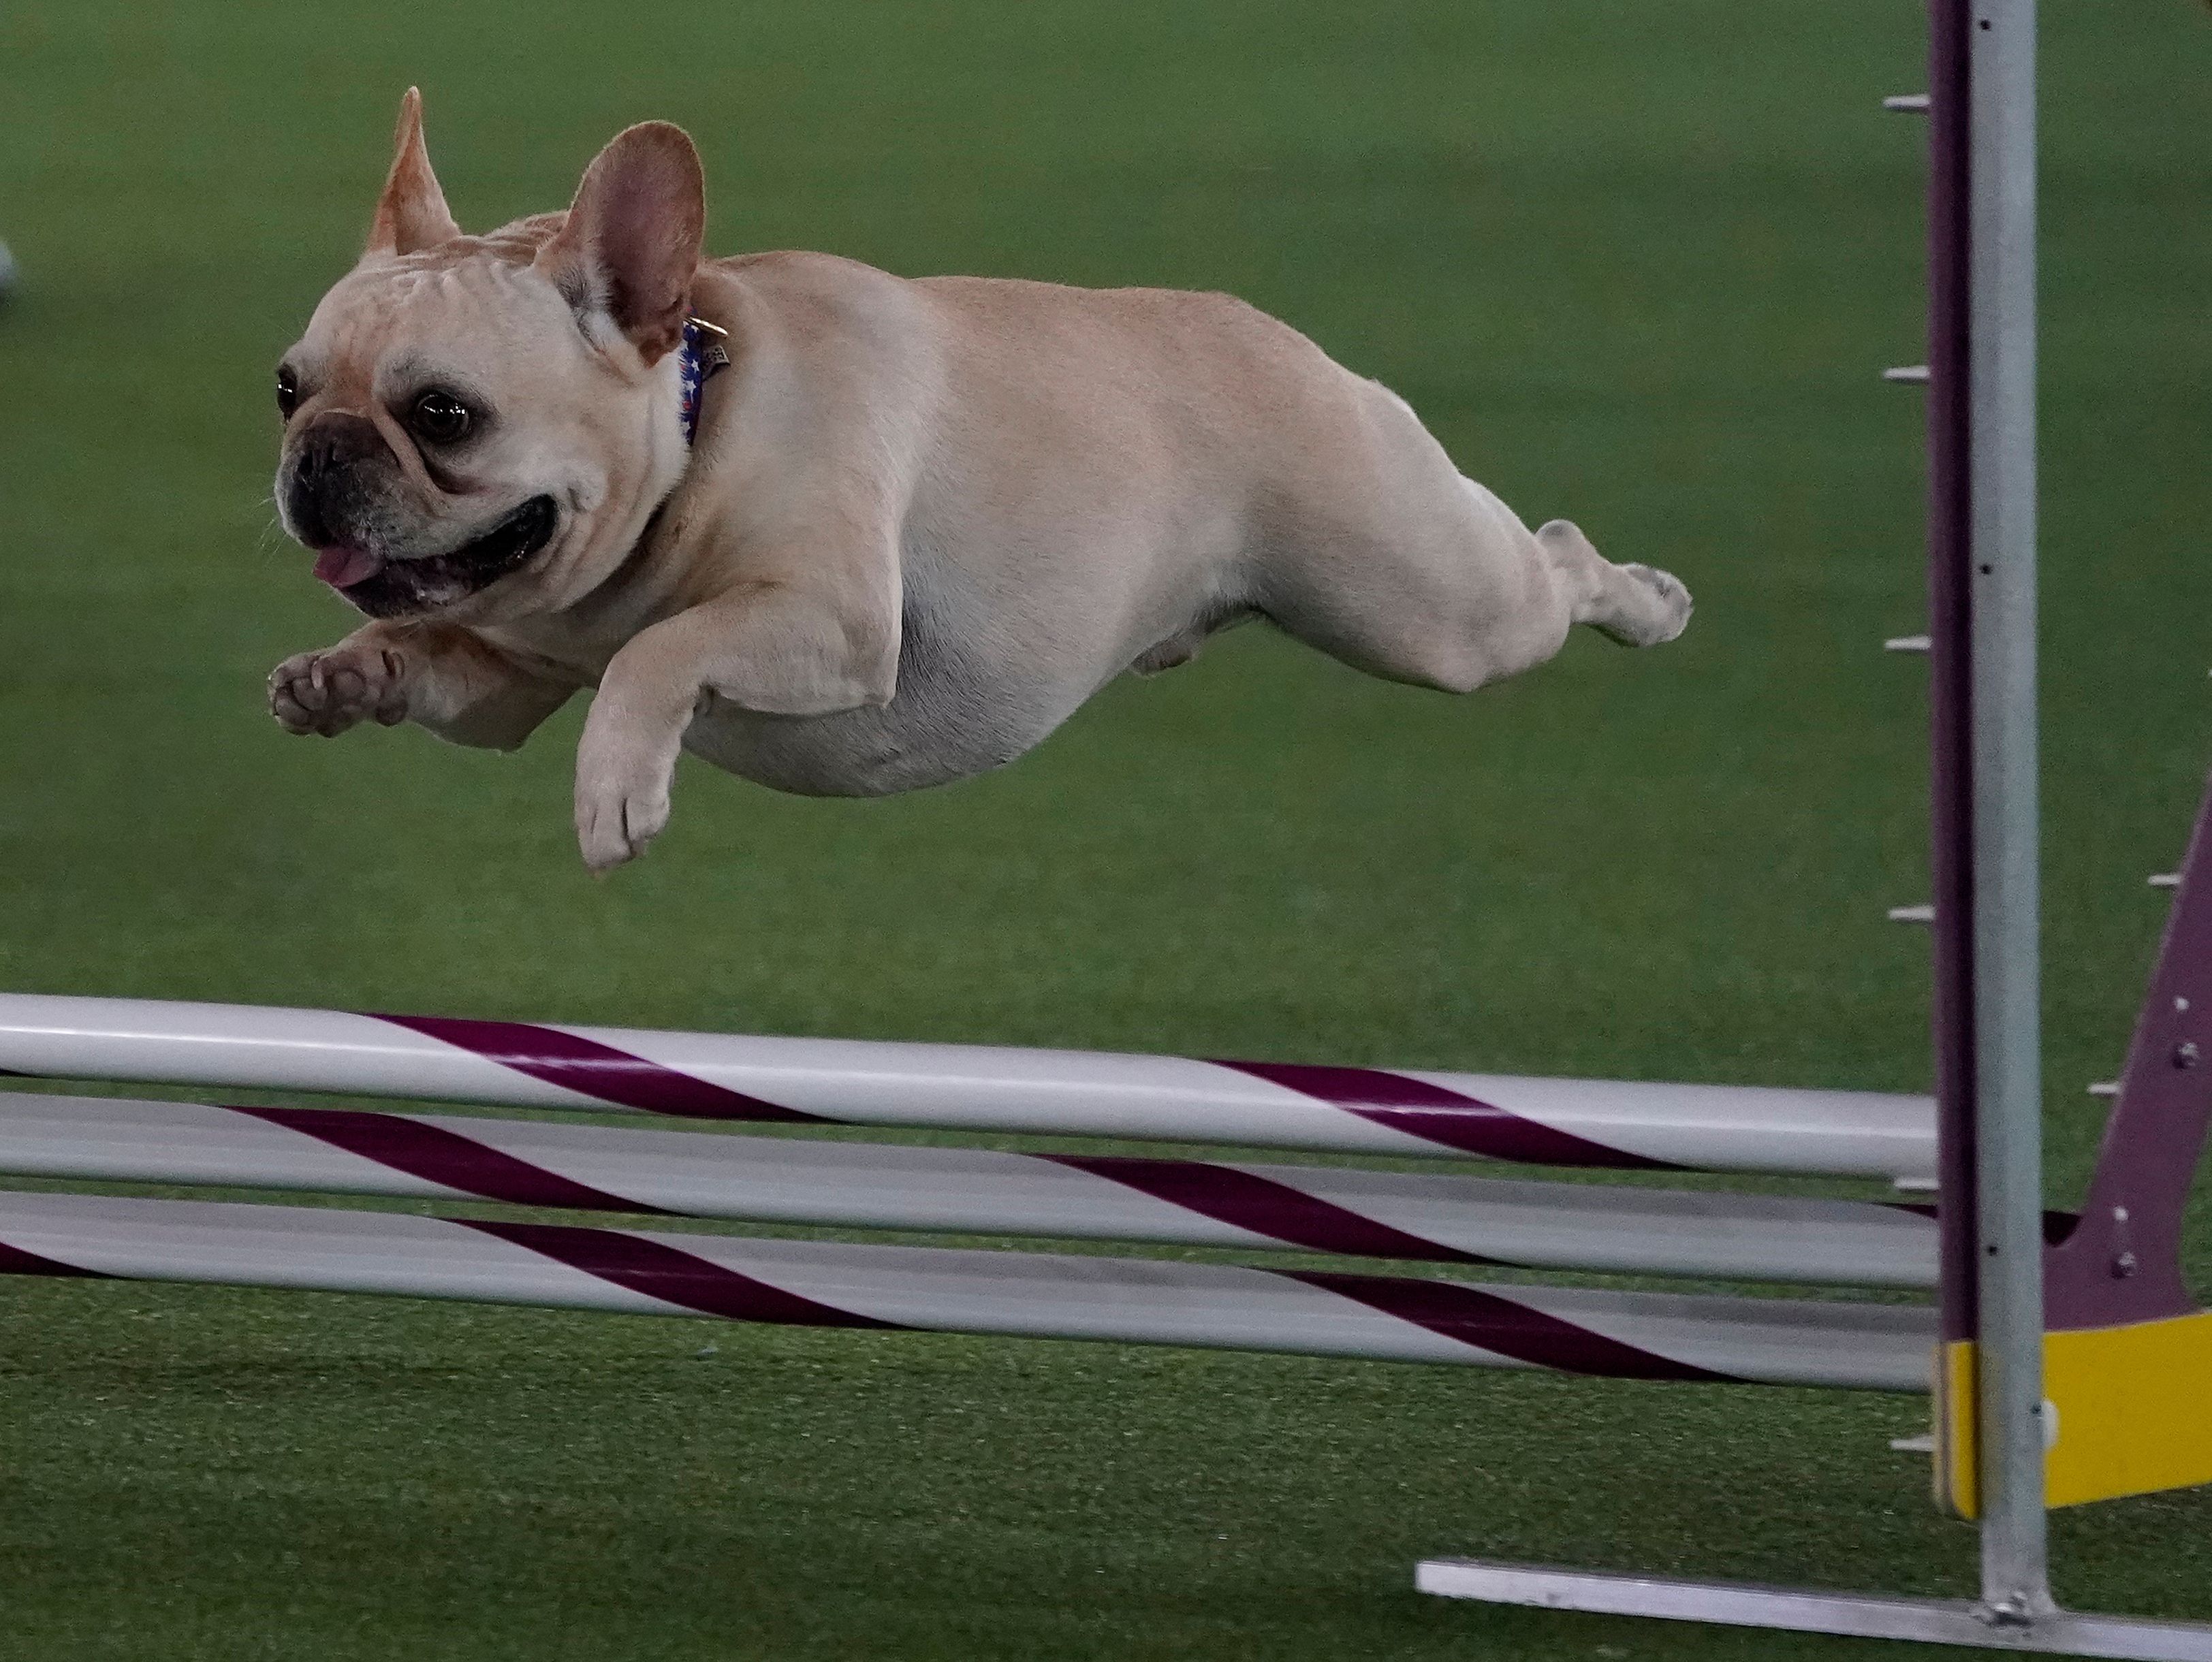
column 328, row 691
column 620, row 808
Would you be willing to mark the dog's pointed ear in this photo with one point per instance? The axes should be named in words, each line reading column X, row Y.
column 412, row 213
column 629, row 248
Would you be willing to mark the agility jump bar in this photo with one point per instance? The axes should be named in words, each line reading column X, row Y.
column 1424, row 1216
column 1655, row 1335
column 830, row 1082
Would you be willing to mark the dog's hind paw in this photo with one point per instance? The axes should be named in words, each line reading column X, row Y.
column 1655, row 611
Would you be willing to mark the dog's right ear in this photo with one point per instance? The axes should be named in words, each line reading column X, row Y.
column 630, row 249
column 411, row 214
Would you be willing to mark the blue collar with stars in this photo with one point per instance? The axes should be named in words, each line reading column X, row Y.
column 699, row 359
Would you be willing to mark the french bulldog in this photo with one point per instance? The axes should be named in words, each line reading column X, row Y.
column 922, row 520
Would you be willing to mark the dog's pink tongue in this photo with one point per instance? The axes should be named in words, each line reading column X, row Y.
column 342, row 566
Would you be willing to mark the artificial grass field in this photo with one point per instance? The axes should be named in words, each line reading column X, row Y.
column 1635, row 264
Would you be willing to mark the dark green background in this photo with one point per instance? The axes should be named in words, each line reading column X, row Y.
column 1636, row 265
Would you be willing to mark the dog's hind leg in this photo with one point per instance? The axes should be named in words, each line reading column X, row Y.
column 1381, row 553
column 1434, row 581
column 1635, row 605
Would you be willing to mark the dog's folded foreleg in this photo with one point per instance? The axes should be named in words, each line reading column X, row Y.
column 437, row 675
column 766, row 648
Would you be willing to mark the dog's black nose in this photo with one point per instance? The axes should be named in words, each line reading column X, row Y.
column 325, row 492
column 335, row 442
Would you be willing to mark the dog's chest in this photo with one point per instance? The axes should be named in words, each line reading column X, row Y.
column 956, row 715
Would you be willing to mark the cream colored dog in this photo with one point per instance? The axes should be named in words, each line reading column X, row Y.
column 923, row 521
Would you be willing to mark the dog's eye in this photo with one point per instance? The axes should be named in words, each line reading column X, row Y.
column 288, row 392
column 440, row 418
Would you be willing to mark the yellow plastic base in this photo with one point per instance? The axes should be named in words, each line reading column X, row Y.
column 2133, row 1406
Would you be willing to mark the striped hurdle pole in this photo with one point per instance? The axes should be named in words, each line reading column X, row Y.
column 830, row 1082
column 1654, row 1336
column 1438, row 1218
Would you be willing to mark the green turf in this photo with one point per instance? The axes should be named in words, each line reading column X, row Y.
column 1636, row 264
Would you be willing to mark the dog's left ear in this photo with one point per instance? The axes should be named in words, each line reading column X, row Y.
column 631, row 246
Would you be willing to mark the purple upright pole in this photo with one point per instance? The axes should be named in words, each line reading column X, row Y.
column 1950, row 554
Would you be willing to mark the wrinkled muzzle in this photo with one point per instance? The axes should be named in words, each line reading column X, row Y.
column 342, row 492
column 337, row 486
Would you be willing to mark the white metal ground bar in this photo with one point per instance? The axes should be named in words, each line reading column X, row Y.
column 1791, row 1610
column 1599, row 1227
column 1783, row 1341
column 974, row 1087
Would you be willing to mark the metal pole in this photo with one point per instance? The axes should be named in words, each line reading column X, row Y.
column 2008, row 1072
column 833, row 1283
column 739, row 1077
column 1419, row 1216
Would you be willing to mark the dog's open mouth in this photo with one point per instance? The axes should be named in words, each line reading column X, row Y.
column 394, row 588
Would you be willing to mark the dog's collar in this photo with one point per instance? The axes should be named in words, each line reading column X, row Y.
column 698, row 360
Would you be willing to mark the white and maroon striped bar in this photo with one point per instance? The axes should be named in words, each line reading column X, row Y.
column 1655, row 1335
column 1423, row 1216
column 1563, row 1122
